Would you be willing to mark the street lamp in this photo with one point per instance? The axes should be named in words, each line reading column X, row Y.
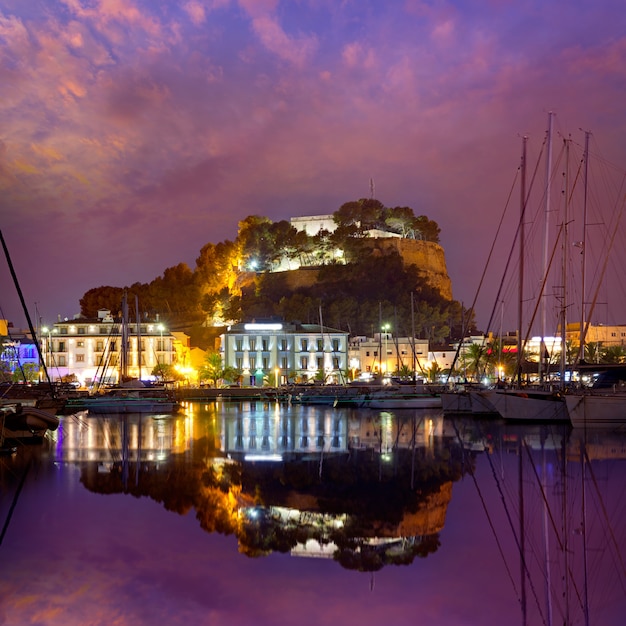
column 385, row 328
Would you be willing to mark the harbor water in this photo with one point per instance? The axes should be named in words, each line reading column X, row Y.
column 261, row 513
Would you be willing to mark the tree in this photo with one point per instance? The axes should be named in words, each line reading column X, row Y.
column 27, row 372
column 212, row 368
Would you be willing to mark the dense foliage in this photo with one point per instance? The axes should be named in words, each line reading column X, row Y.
column 355, row 291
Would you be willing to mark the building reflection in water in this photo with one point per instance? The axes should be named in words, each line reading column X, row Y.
column 320, row 479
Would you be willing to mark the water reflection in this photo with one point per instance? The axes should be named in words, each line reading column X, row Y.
column 369, row 490
column 366, row 488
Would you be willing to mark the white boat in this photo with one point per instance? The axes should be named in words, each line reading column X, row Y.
column 597, row 409
column 126, row 402
column 529, row 405
column 467, row 401
column 403, row 399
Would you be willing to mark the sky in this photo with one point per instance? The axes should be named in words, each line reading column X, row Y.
column 134, row 132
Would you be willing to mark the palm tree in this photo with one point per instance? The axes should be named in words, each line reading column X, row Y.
column 474, row 360
column 614, row 354
column 212, row 368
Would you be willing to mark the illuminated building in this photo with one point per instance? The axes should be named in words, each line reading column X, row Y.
column 277, row 352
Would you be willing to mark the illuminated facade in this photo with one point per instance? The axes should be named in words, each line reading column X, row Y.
column 278, row 352
column 388, row 354
column 91, row 349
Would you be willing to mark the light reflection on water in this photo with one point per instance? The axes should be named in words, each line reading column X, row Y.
column 423, row 507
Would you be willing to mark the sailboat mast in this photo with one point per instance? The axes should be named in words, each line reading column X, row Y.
column 565, row 244
column 546, row 246
column 26, row 314
column 124, row 341
column 521, row 260
column 138, row 336
column 583, row 286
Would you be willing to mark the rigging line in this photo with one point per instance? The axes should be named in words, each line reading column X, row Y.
column 515, row 535
column 15, row 499
column 606, row 519
column 603, row 271
column 549, row 511
column 482, row 278
column 27, row 314
column 543, row 496
column 543, row 283
column 489, row 520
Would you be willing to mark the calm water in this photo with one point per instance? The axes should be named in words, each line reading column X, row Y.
column 255, row 513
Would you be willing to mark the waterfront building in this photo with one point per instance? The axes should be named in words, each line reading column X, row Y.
column 277, row 352
column 605, row 335
column 89, row 350
column 385, row 354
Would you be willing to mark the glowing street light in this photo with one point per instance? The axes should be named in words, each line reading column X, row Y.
column 277, row 372
column 385, row 328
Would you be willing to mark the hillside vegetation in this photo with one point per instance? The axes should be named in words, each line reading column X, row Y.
column 352, row 280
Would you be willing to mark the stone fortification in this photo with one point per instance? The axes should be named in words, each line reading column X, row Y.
column 427, row 256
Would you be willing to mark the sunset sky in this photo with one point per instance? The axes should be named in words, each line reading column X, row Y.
column 133, row 132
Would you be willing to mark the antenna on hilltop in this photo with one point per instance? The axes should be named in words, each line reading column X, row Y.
column 371, row 188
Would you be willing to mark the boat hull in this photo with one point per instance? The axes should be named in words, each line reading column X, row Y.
column 100, row 406
column 473, row 402
column 529, row 406
column 407, row 401
column 597, row 411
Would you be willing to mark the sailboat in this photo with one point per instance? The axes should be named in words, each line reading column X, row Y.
column 523, row 403
column 132, row 396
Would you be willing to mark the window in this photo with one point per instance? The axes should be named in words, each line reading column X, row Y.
column 252, row 362
column 320, row 345
column 61, row 346
column 253, row 343
column 62, row 361
column 367, row 353
column 335, row 345
column 239, row 363
column 335, row 363
column 81, row 330
column 265, row 345
column 320, row 363
column 284, row 344
column 103, row 330
column 266, row 363
column 239, row 345
column 284, row 363
column 63, row 331
column 304, row 345
column 143, row 345
column 80, row 358
column 375, row 352
column 99, row 346
column 80, row 344
column 304, row 362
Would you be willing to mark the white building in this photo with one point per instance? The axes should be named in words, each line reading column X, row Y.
column 91, row 349
column 386, row 354
column 277, row 351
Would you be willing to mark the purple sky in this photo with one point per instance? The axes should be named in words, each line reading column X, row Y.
column 133, row 132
